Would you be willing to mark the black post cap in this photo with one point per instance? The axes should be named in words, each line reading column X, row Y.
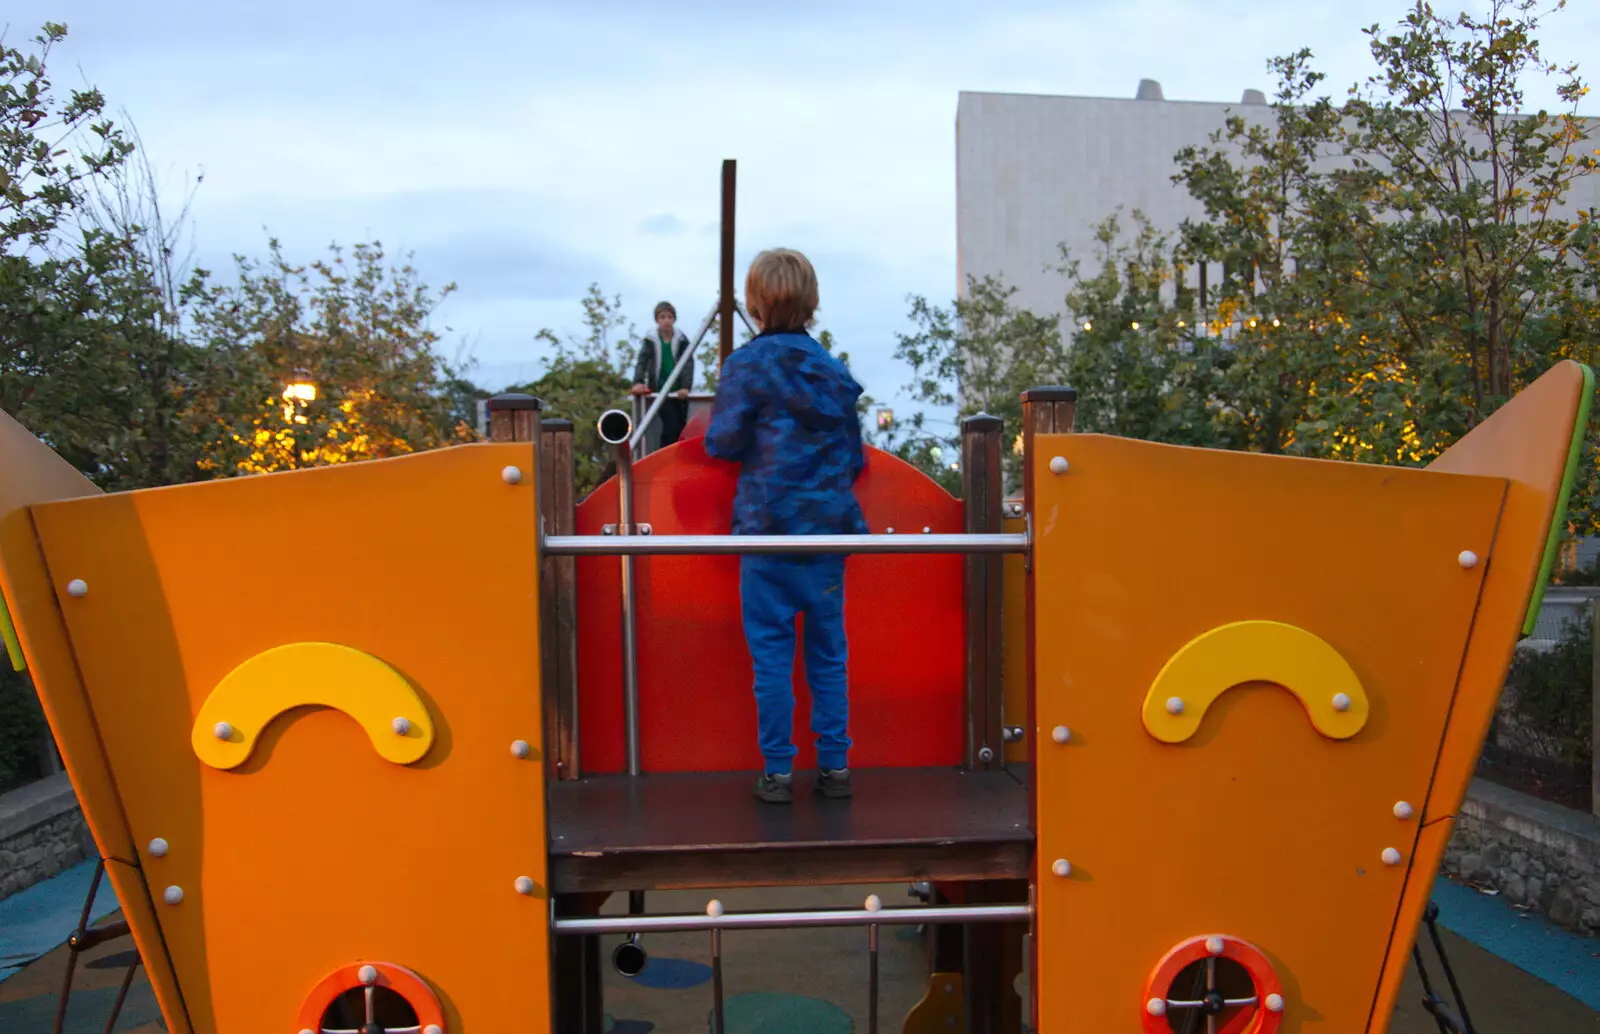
column 555, row 423
column 979, row 423
column 514, row 400
column 1050, row 393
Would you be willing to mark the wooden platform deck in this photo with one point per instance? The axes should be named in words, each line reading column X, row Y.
column 697, row 830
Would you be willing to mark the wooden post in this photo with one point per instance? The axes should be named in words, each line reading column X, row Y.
column 725, row 299
column 1048, row 410
column 558, row 584
column 981, row 481
column 514, row 417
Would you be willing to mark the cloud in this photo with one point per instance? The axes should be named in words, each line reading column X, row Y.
column 663, row 225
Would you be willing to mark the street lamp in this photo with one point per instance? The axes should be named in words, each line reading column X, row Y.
column 297, row 394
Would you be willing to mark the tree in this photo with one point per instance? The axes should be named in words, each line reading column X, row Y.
column 1406, row 259
column 979, row 355
column 319, row 364
column 585, row 376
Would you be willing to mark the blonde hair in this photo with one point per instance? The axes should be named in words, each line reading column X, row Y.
column 781, row 290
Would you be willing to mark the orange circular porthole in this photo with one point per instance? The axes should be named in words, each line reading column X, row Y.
column 371, row 996
column 1226, row 980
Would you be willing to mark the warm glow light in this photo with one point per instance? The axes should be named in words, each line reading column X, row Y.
column 1016, row 446
column 301, row 391
column 1135, row 324
column 1274, row 322
column 1252, row 324
column 1181, row 323
column 1087, row 325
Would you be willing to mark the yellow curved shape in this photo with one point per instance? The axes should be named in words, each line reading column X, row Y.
column 1255, row 651
column 246, row 701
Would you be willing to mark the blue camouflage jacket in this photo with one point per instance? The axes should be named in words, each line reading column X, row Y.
column 786, row 412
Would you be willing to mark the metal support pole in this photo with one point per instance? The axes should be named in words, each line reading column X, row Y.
column 725, row 299
column 614, row 427
column 981, row 494
column 1594, row 707
column 872, row 979
column 800, row 545
column 718, row 1020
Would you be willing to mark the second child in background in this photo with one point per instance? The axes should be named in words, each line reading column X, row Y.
column 659, row 354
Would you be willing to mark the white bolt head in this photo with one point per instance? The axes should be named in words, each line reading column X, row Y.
column 1391, row 856
column 1341, row 701
column 888, row 531
column 874, row 903
column 1061, row 734
column 520, row 748
column 172, row 895
column 1156, row 1007
column 158, row 848
column 401, row 726
column 1467, row 559
column 714, row 909
column 927, row 530
column 433, row 1028
column 307, row 1030
column 1174, row 705
column 222, row 731
column 511, row 476
column 1214, row 945
column 1402, row 810
column 367, row 975
column 1058, row 464
column 77, row 587
column 1061, row 867
column 524, row 885
column 1274, row 1003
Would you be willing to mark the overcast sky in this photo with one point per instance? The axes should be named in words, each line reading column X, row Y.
column 525, row 149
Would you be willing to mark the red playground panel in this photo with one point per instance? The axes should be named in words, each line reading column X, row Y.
column 904, row 616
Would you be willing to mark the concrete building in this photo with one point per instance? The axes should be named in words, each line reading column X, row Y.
column 1034, row 173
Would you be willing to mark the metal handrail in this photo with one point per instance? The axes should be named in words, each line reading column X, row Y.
column 593, row 925
column 715, row 545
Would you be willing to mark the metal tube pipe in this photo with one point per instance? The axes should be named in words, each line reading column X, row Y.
column 872, row 979
column 791, row 920
column 630, row 645
column 709, row 545
column 719, row 1021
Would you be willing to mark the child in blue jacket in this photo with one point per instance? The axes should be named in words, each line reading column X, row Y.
column 785, row 411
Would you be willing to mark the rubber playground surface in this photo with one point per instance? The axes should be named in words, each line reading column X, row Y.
column 1521, row 975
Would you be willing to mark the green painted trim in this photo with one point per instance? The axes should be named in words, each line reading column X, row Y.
column 1552, row 544
column 8, row 632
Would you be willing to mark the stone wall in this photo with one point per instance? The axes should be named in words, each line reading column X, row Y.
column 42, row 832
column 1536, row 854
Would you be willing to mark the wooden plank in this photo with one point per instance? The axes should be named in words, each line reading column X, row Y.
column 713, row 811
column 801, row 867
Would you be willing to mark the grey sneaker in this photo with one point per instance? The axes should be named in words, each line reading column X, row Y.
column 834, row 782
column 775, row 789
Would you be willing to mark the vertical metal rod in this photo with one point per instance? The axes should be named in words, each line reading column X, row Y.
column 122, row 996
column 725, row 301
column 718, row 1026
column 630, row 646
column 872, row 979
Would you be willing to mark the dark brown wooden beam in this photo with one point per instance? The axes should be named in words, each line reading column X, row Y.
column 725, row 299
column 754, row 867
